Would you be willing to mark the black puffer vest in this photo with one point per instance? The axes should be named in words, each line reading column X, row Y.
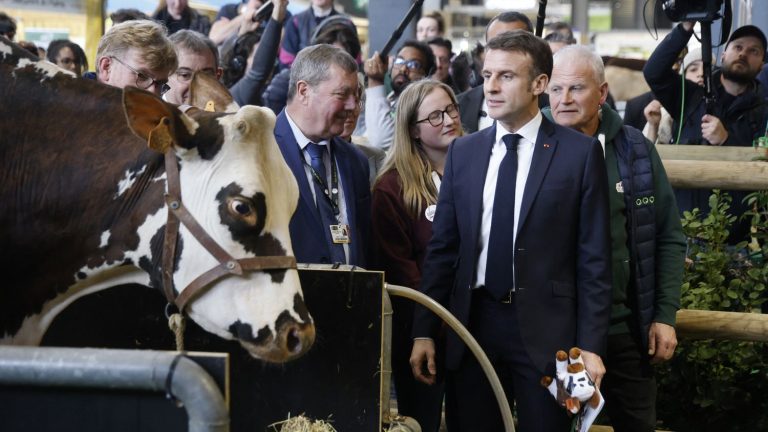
column 637, row 178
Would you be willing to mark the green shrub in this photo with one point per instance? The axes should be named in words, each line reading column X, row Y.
column 720, row 385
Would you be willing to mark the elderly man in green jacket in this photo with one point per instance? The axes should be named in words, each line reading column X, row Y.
column 648, row 246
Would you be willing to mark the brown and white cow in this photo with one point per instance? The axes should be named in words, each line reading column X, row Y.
column 82, row 207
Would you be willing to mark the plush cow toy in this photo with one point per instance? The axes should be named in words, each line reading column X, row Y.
column 573, row 388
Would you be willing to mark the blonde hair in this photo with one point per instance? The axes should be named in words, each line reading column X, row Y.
column 148, row 37
column 408, row 156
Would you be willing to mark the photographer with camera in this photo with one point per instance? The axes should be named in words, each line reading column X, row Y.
column 739, row 116
column 736, row 119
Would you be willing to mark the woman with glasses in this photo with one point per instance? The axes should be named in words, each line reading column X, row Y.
column 404, row 199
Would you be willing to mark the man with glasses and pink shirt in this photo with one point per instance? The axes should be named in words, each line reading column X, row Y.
column 137, row 54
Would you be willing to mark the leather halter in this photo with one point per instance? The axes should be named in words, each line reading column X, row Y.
column 228, row 265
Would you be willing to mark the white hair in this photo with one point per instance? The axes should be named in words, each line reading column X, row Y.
column 571, row 54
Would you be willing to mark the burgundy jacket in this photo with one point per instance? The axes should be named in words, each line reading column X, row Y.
column 400, row 241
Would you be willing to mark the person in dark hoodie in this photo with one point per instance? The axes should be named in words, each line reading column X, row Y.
column 647, row 242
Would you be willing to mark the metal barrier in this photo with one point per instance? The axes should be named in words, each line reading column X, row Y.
column 158, row 371
column 463, row 333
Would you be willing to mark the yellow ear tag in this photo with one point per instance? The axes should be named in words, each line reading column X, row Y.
column 160, row 139
column 210, row 106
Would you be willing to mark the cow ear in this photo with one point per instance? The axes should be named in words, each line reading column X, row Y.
column 207, row 93
column 150, row 118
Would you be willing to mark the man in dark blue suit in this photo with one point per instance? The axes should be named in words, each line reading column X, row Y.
column 332, row 221
column 520, row 249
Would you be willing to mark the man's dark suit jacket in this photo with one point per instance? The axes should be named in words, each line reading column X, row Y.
column 307, row 229
column 562, row 251
column 471, row 103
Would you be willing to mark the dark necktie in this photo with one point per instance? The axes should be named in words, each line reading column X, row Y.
column 316, row 153
column 499, row 269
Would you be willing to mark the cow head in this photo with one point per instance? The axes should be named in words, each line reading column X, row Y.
column 237, row 186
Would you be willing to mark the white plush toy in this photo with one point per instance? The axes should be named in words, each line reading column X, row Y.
column 573, row 388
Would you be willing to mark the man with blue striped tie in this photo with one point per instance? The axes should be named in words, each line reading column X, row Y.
column 332, row 221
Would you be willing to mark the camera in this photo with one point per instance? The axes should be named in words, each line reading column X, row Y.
column 692, row 10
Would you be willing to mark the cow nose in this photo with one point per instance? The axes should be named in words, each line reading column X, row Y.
column 295, row 338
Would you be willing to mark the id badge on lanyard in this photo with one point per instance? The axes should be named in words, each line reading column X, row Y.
column 339, row 232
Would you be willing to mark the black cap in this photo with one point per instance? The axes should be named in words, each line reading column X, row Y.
column 748, row 30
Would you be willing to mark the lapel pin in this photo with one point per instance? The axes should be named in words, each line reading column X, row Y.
column 546, row 145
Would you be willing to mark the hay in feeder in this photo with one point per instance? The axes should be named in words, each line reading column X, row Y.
column 302, row 424
column 400, row 423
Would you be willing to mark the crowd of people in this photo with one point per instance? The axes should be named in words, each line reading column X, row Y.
column 502, row 183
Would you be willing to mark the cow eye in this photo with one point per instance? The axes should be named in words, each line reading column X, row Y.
column 240, row 207
column 244, row 211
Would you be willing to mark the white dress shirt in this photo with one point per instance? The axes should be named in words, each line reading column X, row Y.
column 528, row 133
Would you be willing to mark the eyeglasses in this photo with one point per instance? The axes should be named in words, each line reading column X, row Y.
column 435, row 118
column 143, row 81
column 409, row 64
column 185, row 74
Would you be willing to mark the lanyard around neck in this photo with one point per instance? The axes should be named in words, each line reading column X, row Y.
column 332, row 193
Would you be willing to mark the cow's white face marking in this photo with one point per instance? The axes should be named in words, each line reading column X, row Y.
column 128, row 181
column 254, row 299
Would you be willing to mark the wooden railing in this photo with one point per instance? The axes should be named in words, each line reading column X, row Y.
column 699, row 324
column 709, row 167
